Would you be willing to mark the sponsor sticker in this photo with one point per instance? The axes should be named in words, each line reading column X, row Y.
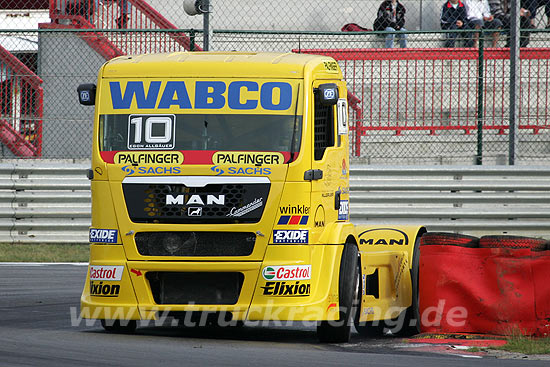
column 343, row 212
column 287, row 272
column 106, row 272
column 294, row 209
column 344, row 168
column 148, row 157
column 235, row 171
column 247, row 158
column 293, row 219
column 234, row 212
column 202, row 94
column 160, row 170
column 151, row 132
column 103, row 235
column 291, row 236
column 286, row 289
column 100, row 289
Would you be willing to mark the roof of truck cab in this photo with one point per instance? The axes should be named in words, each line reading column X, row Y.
column 216, row 64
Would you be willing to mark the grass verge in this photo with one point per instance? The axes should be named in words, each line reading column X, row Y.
column 44, row 252
column 526, row 345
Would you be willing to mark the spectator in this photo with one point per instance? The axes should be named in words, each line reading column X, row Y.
column 391, row 18
column 480, row 17
column 532, row 6
column 453, row 17
column 501, row 11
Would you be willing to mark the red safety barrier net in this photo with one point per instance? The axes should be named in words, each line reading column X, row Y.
column 476, row 290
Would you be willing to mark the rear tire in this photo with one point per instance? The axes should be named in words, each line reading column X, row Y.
column 513, row 242
column 452, row 239
column 339, row 331
column 119, row 326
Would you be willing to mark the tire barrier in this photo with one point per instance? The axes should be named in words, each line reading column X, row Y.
column 499, row 288
column 515, row 242
column 452, row 239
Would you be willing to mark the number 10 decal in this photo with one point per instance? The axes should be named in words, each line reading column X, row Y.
column 155, row 132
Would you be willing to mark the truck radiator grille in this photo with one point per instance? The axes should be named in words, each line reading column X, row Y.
column 213, row 203
column 181, row 288
column 195, row 243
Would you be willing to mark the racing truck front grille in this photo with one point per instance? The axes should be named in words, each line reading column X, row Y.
column 213, row 203
column 182, row 288
column 195, row 243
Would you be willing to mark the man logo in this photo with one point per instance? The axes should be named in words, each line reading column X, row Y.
column 194, row 212
column 383, row 236
column 195, row 200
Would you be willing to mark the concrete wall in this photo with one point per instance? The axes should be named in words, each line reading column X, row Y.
column 65, row 62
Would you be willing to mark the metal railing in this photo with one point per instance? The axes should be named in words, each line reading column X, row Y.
column 121, row 14
column 21, row 107
column 50, row 201
column 467, row 199
column 436, row 90
column 43, row 202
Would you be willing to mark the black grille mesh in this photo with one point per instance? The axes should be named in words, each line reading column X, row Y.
column 180, row 288
column 195, row 243
column 146, row 203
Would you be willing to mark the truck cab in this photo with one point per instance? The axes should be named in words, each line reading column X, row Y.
column 220, row 187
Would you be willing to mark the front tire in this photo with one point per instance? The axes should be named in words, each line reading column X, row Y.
column 119, row 326
column 339, row 331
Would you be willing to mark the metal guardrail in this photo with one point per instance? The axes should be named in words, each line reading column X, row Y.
column 467, row 199
column 44, row 202
column 49, row 202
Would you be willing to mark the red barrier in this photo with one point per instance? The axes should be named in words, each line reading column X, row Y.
column 484, row 290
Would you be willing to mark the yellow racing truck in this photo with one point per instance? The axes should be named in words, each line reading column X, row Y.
column 220, row 192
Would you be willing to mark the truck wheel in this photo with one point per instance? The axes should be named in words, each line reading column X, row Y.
column 371, row 329
column 339, row 331
column 411, row 322
column 119, row 327
column 452, row 239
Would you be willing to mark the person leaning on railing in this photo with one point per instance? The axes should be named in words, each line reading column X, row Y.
column 391, row 18
column 479, row 16
column 500, row 10
column 453, row 17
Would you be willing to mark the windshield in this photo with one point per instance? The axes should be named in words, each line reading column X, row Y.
column 201, row 132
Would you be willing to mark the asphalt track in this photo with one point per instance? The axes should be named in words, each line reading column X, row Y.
column 38, row 308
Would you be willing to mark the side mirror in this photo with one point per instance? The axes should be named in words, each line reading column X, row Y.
column 86, row 94
column 328, row 93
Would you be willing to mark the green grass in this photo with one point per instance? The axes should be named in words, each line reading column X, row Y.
column 45, row 252
column 526, row 345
